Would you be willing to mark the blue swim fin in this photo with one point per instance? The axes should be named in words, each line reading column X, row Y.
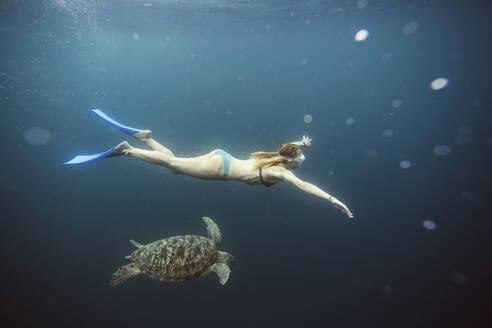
column 137, row 133
column 115, row 151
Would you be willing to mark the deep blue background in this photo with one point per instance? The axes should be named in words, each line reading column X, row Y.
column 241, row 75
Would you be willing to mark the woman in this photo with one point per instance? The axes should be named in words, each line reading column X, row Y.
column 266, row 168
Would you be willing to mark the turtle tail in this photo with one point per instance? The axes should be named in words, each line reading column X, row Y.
column 123, row 274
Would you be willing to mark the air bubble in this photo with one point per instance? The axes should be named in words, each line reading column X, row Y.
column 37, row 136
column 439, row 83
column 362, row 3
column 405, row 164
column 387, row 133
column 429, row 225
column 396, row 103
column 361, row 35
column 410, row 28
column 442, row 150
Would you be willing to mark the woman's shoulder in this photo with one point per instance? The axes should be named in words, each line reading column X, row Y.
column 275, row 168
column 275, row 171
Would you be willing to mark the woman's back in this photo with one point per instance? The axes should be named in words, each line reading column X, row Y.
column 243, row 170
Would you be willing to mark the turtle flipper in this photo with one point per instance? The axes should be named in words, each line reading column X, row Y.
column 213, row 230
column 123, row 274
column 222, row 271
column 135, row 243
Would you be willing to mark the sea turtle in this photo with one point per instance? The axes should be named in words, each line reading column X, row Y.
column 178, row 258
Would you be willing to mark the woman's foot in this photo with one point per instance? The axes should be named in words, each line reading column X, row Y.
column 121, row 149
column 142, row 134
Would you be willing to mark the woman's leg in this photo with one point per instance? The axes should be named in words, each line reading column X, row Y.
column 154, row 145
column 150, row 156
column 202, row 167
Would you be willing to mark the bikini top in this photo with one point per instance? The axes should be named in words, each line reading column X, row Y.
column 263, row 182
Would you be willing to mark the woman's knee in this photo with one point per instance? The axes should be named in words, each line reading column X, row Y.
column 174, row 163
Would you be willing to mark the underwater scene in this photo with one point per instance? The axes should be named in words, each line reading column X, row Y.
column 245, row 163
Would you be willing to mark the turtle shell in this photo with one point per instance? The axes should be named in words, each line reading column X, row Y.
column 176, row 258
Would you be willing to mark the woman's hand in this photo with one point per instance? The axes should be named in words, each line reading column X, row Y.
column 287, row 175
column 342, row 207
column 306, row 141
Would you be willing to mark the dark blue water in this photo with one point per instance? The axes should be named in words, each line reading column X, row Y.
column 243, row 76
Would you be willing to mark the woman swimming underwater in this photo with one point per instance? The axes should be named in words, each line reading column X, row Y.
column 266, row 168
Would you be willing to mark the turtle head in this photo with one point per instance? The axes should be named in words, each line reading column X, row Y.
column 226, row 258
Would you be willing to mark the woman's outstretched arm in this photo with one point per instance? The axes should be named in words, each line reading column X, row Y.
column 314, row 190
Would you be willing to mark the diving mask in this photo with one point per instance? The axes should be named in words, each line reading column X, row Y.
column 299, row 159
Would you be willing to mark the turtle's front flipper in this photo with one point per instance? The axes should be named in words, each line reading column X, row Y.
column 124, row 273
column 136, row 243
column 213, row 230
column 222, row 271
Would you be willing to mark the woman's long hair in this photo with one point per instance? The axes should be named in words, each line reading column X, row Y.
column 282, row 157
